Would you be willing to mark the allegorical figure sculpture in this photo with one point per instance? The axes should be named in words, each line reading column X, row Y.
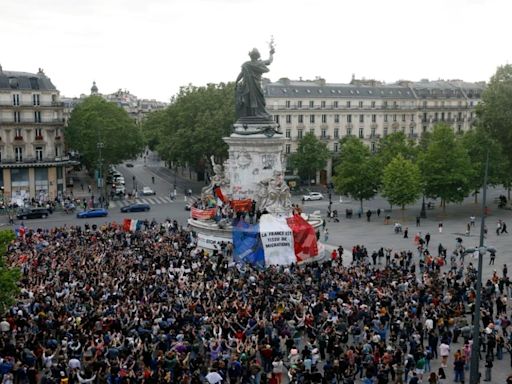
column 219, row 179
column 250, row 101
column 274, row 195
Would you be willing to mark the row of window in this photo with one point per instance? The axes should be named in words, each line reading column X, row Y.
column 361, row 104
column 39, row 152
column 442, row 116
column 373, row 132
column 18, row 133
column 17, row 116
column 36, row 99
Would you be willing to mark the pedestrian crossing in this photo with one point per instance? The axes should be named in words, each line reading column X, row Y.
column 153, row 200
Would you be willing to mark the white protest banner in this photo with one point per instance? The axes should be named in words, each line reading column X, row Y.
column 277, row 239
column 210, row 242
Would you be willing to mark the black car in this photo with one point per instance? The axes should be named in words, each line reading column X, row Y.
column 136, row 207
column 33, row 213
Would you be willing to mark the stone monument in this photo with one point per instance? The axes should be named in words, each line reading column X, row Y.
column 254, row 171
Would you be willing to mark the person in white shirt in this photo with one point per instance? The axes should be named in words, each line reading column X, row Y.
column 444, row 351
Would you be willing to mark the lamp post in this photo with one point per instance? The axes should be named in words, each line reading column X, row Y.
column 474, row 374
column 423, row 212
column 100, row 172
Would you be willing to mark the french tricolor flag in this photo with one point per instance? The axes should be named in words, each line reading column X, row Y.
column 274, row 241
column 131, row 225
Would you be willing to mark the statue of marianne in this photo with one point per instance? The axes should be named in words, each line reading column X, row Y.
column 250, row 101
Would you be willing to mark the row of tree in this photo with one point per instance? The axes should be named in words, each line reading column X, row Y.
column 442, row 165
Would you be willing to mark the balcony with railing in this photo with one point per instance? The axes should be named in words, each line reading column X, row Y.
column 31, row 160
column 32, row 122
column 31, row 105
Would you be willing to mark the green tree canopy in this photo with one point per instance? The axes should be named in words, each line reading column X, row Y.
column 191, row 128
column 357, row 174
column 495, row 111
column 401, row 181
column 393, row 145
column 97, row 120
column 311, row 156
column 8, row 276
column 445, row 166
column 477, row 142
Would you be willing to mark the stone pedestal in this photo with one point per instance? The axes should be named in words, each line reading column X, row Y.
column 255, row 152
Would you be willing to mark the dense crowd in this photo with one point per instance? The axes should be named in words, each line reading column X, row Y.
column 102, row 305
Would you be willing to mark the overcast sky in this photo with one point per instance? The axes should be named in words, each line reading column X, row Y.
column 152, row 47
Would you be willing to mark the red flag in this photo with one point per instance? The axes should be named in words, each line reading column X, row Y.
column 219, row 194
column 304, row 238
column 126, row 225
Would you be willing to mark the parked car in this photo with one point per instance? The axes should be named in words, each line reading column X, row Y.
column 94, row 212
column 32, row 213
column 146, row 191
column 136, row 207
column 312, row 196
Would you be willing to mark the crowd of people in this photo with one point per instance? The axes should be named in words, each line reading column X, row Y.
column 101, row 305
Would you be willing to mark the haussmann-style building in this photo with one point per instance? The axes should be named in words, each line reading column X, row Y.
column 368, row 109
column 33, row 162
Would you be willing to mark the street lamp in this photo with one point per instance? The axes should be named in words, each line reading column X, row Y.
column 423, row 212
column 474, row 374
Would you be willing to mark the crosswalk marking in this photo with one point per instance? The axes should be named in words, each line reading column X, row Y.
column 155, row 200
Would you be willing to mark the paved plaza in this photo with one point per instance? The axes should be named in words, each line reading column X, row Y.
column 375, row 234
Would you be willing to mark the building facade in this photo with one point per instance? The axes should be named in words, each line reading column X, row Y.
column 33, row 161
column 368, row 109
column 137, row 108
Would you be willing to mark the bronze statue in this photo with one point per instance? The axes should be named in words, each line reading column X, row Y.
column 250, row 101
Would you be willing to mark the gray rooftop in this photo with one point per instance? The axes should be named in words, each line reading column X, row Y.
column 372, row 90
column 12, row 80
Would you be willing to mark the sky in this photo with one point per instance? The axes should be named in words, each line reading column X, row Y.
column 153, row 47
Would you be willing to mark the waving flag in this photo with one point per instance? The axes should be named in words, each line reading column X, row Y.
column 274, row 241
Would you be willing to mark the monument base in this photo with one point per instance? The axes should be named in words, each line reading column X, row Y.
column 253, row 157
column 210, row 235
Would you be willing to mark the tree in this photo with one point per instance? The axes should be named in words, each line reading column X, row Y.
column 477, row 143
column 191, row 128
column 152, row 126
column 401, row 182
column 393, row 145
column 8, row 276
column 311, row 156
column 495, row 112
column 445, row 167
column 357, row 174
column 96, row 120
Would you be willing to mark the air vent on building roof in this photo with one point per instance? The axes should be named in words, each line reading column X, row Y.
column 285, row 90
column 370, row 92
column 319, row 91
column 308, row 91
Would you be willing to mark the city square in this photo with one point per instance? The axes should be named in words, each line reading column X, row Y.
column 256, row 227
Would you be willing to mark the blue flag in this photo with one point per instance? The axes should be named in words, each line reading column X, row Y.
column 247, row 244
